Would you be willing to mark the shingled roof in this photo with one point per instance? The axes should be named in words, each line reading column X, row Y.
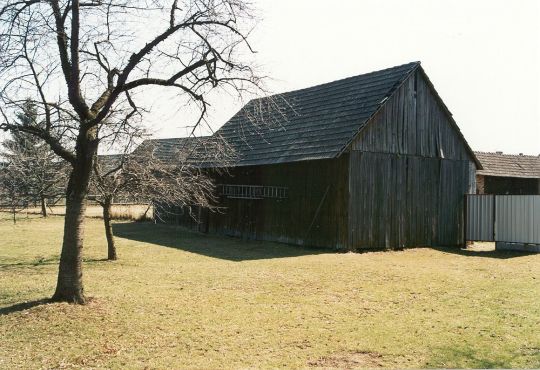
column 201, row 151
column 509, row 165
column 313, row 123
column 109, row 161
column 167, row 149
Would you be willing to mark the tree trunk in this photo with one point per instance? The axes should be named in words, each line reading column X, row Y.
column 69, row 287
column 111, row 247
column 43, row 207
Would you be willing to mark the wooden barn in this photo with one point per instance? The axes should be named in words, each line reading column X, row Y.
column 508, row 174
column 368, row 162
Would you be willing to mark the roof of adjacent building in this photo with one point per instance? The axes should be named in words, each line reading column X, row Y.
column 109, row 162
column 509, row 165
column 201, row 151
column 313, row 123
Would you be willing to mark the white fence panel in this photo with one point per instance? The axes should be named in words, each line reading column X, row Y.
column 517, row 218
column 480, row 217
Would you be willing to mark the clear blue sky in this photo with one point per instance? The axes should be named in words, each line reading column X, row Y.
column 483, row 57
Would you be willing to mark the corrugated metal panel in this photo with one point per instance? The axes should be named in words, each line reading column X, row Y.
column 480, row 217
column 517, row 218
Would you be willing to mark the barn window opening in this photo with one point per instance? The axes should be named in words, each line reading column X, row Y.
column 253, row 191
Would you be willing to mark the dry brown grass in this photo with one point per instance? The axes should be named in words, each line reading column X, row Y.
column 119, row 211
column 177, row 299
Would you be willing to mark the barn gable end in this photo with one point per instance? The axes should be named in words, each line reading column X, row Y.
column 409, row 168
column 414, row 121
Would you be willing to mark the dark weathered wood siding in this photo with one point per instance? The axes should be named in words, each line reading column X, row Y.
column 292, row 220
column 409, row 170
column 399, row 183
column 406, row 201
column 413, row 121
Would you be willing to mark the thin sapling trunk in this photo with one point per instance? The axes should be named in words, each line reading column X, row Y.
column 111, row 247
column 43, row 207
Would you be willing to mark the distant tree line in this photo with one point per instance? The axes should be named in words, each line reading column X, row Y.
column 31, row 174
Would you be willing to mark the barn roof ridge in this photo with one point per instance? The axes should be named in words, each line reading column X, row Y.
column 497, row 152
column 339, row 80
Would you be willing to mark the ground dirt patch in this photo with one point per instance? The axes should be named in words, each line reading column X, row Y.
column 351, row 360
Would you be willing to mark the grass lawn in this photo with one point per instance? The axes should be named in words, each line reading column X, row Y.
column 180, row 299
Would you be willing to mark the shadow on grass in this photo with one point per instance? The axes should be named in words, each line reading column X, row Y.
column 449, row 357
column 222, row 247
column 23, row 306
column 480, row 253
column 46, row 262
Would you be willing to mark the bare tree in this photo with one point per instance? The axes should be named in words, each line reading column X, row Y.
column 13, row 189
column 43, row 174
column 106, row 52
column 144, row 176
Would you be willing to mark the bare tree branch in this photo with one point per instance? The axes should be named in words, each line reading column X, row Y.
column 81, row 62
